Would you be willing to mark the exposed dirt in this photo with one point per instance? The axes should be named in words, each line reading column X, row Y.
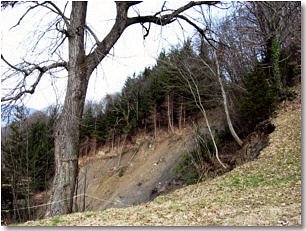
column 145, row 169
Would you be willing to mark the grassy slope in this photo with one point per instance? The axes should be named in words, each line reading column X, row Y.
column 266, row 191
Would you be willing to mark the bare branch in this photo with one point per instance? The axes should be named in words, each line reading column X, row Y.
column 59, row 12
column 14, row 67
column 92, row 34
column 168, row 18
column 128, row 3
column 26, row 13
column 23, row 92
column 123, row 21
column 147, row 29
column 103, row 47
column 200, row 30
column 59, row 44
column 27, row 72
column 5, row 4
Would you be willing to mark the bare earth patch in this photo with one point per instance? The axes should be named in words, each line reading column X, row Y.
column 264, row 192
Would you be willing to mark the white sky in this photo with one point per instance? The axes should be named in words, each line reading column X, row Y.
column 130, row 54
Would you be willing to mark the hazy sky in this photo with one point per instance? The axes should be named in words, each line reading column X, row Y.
column 131, row 53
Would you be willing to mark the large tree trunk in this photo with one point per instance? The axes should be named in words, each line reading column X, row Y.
column 80, row 67
column 67, row 127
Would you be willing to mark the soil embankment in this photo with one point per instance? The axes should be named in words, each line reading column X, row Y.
column 139, row 174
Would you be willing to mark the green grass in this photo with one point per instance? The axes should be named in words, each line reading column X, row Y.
column 89, row 214
column 248, row 181
column 56, row 221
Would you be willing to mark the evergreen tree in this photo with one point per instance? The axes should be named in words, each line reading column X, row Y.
column 260, row 100
column 87, row 127
column 27, row 161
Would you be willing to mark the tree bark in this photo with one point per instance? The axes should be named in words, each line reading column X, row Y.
column 67, row 127
column 155, row 121
column 170, row 112
column 180, row 114
column 79, row 68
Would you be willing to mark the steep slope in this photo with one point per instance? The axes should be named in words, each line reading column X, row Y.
column 142, row 171
column 266, row 191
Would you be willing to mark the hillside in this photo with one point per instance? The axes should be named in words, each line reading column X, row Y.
column 137, row 172
column 266, row 191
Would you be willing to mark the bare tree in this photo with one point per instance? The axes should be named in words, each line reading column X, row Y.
column 217, row 74
column 194, row 89
column 80, row 67
column 215, row 70
column 251, row 31
column 188, row 69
